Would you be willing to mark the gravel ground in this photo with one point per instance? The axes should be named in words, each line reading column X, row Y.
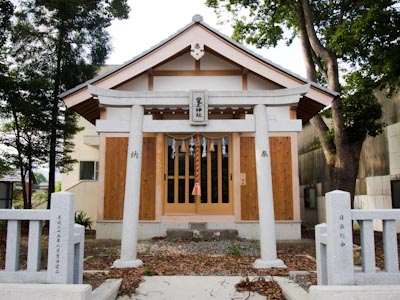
column 242, row 247
column 237, row 247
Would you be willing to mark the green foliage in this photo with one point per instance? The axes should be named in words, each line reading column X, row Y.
column 361, row 110
column 148, row 271
column 330, row 135
column 314, row 146
column 50, row 46
column 18, row 204
column 356, row 226
column 39, row 178
column 16, row 192
column 6, row 12
column 352, row 47
column 254, row 22
column 58, row 186
column 147, row 250
column 82, row 219
column 233, row 249
column 363, row 34
column 254, row 244
column 38, row 199
column 39, row 196
column 4, row 167
column 112, row 252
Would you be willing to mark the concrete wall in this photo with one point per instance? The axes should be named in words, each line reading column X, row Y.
column 379, row 164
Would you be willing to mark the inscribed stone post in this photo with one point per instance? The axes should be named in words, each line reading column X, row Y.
column 340, row 239
column 61, row 254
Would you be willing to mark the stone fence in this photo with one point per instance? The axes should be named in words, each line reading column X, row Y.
column 334, row 244
column 65, row 244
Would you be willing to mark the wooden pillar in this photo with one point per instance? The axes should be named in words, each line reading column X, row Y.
column 264, row 192
column 132, row 192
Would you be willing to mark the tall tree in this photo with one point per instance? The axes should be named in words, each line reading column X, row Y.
column 6, row 12
column 67, row 41
column 22, row 130
column 355, row 42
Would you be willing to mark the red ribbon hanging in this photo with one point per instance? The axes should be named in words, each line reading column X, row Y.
column 196, row 189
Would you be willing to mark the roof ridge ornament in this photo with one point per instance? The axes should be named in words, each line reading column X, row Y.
column 197, row 50
column 197, row 18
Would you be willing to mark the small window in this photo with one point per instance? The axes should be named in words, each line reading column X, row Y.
column 89, row 170
column 309, row 198
column 395, row 186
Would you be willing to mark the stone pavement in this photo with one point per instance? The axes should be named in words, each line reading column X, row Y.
column 196, row 288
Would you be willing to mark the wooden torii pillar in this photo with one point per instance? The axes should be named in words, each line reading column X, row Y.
column 259, row 100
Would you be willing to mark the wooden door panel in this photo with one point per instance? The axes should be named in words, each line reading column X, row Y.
column 148, row 181
column 281, row 167
column 248, row 191
column 114, row 178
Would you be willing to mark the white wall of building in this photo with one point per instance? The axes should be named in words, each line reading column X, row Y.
column 86, row 191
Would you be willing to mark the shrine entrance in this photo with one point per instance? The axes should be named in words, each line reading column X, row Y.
column 210, row 166
column 214, row 170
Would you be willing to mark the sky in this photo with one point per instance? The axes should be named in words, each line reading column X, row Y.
column 151, row 21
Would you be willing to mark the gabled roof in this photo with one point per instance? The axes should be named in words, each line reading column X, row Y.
column 80, row 99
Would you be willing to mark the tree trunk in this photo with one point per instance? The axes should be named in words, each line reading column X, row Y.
column 345, row 171
column 343, row 155
column 20, row 158
column 327, row 55
column 30, row 181
column 54, row 121
column 306, row 46
column 23, row 184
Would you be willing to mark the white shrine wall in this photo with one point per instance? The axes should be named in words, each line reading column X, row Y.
column 212, row 62
column 186, row 83
column 255, row 82
column 140, row 83
column 123, row 114
column 182, row 62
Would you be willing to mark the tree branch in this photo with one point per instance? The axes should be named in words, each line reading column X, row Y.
column 328, row 147
column 318, row 62
column 305, row 43
column 328, row 56
column 341, row 138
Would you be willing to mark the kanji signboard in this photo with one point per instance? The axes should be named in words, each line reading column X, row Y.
column 199, row 107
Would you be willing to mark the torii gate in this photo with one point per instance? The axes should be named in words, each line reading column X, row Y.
column 258, row 123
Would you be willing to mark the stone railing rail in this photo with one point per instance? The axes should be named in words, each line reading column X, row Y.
column 65, row 244
column 334, row 244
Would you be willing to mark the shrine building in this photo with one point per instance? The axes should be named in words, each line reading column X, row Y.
column 198, row 131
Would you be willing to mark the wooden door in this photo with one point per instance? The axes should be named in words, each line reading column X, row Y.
column 215, row 177
column 114, row 178
column 281, row 167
